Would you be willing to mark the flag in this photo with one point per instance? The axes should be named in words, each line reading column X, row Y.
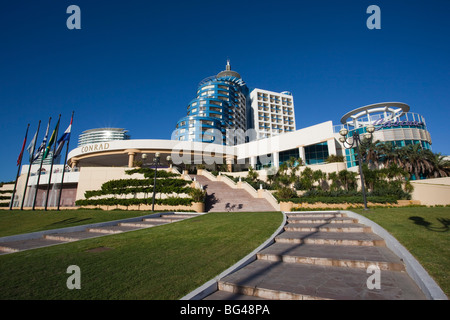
column 65, row 137
column 51, row 141
column 30, row 147
column 19, row 159
column 43, row 144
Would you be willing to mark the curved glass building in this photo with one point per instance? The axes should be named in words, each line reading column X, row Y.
column 220, row 108
column 393, row 123
column 102, row 135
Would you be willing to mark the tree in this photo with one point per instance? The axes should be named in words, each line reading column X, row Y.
column 370, row 152
column 335, row 181
column 252, row 174
column 348, row 179
column 320, row 177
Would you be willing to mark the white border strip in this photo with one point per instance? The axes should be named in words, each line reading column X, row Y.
column 211, row 286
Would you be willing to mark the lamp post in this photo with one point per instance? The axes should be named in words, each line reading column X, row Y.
column 156, row 162
column 356, row 138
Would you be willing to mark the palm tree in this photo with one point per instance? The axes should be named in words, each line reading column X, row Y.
column 441, row 166
column 320, row 177
column 348, row 179
column 335, row 181
column 370, row 152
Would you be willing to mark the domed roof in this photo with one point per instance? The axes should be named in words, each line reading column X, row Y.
column 228, row 72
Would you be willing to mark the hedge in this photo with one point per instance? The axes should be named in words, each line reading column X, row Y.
column 133, row 186
column 134, row 201
column 343, row 199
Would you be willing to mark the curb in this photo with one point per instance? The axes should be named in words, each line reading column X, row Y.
column 211, row 286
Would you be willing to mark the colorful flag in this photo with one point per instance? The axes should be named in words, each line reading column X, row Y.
column 43, row 144
column 65, row 137
column 19, row 160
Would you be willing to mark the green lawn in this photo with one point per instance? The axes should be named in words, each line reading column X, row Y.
column 424, row 231
column 164, row 262
column 17, row 222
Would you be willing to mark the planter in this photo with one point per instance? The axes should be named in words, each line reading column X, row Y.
column 288, row 205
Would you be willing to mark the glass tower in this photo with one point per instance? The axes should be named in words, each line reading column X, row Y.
column 218, row 114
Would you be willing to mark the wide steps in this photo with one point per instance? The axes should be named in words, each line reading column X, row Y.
column 331, row 238
column 292, row 281
column 324, row 220
column 321, row 255
column 72, row 236
column 65, row 237
column 20, row 245
column 223, row 198
column 333, row 255
column 327, row 227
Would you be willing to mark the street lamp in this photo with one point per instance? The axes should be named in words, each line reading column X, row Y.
column 356, row 138
column 156, row 162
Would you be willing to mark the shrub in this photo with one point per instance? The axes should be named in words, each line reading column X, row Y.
column 285, row 193
column 197, row 195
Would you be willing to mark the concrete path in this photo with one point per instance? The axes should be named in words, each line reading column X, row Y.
column 321, row 256
column 222, row 198
column 53, row 237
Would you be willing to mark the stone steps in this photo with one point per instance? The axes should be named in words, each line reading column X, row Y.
column 320, row 255
column 65, row 237
column 333, row 255
column 223, row 198
column 327, row 227
column 20, row 245
column 73, row 236
column 293, row 281
column 331, row 238
column 311, row 220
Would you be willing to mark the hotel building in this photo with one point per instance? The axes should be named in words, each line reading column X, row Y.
column 222, row 106
column 102, row 135
column 273, row 112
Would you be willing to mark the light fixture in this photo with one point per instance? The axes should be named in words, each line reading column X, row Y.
column 343, row 132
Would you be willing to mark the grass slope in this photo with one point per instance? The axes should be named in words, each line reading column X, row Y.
column 164, row 262
column 424, row 231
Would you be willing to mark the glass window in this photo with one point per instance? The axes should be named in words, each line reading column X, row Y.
column 316, row 153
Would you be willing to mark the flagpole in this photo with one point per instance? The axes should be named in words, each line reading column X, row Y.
column 64, row 165
column 19, row 163
column 40, row 168
column 53, row 159
column 29, row 167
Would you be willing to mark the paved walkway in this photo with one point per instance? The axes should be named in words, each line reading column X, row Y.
column 320, row 256
column 33, row 241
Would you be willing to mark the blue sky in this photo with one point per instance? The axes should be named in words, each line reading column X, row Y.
column 136, row 64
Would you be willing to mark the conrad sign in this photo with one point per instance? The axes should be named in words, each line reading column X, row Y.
column 95, row 147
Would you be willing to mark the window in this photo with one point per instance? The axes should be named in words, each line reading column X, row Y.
column 207, row 87
column 316, row 153
column 209, row 123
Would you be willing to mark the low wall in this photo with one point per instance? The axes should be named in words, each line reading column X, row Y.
column 432, row 191
column 287, row 206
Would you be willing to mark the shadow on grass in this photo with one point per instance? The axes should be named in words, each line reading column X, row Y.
column 429, row 226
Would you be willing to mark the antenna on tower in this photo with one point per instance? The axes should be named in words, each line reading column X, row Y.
column 228, row 67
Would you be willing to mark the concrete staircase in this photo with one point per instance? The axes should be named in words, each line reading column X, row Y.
column 320, row 256
column 32, row 242
column 223, row 198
